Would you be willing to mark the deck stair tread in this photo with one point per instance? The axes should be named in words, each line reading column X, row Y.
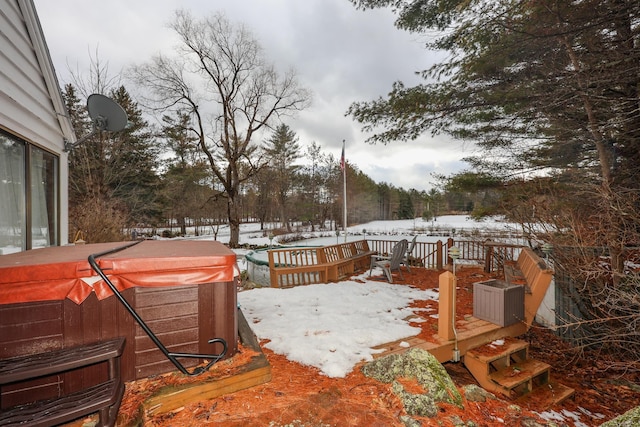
column 492, row 351
column 505, row 367
column 548, row 395
column 519, row 373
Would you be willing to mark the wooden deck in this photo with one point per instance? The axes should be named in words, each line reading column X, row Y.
column 495, row 374
column 472, row 333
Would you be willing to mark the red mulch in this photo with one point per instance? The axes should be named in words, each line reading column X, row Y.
column 299, row 395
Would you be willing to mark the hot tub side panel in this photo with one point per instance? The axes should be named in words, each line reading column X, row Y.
column 218, row 311
column 183, row 317
column 172, row 315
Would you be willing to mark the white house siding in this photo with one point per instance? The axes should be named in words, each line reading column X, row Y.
column 546, row 314
column 31, row 105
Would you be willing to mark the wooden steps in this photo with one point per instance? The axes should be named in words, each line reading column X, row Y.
column 521, row 377
column 504, row 367
column 551, row 393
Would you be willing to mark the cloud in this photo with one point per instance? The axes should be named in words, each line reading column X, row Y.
column 341, row 54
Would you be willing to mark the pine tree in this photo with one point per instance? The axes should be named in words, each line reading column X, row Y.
column 185, row 183
column 112, row 175
column 283, row 150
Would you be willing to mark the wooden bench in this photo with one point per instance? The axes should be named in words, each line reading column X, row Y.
column 295, row 266
column 104, row 398
column 530, row 271
column 303, row 266
column 344, row 259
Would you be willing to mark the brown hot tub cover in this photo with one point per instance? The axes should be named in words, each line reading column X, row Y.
column 56, row 273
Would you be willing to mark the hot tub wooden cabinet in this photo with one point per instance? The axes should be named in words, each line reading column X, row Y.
column 498, row 302
column 185, row 291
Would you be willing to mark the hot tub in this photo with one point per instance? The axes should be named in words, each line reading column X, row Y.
column 257, row 263
column 185, row 291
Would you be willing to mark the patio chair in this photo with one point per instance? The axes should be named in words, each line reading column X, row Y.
column 390, row 264
column 407, row 258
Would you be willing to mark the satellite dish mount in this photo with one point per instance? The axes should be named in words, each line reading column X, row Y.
column 106, row 115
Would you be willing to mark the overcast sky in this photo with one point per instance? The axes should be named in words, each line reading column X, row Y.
column 341, row 55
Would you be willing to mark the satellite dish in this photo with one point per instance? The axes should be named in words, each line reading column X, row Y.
column 106, row 115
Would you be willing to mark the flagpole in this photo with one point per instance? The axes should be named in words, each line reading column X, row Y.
column 344, row 192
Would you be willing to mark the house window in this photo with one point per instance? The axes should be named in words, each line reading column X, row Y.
column 29, row 202
column 43, row 169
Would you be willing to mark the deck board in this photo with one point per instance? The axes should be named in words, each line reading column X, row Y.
column 472, row 333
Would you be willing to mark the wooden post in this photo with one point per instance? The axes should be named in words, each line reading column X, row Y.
column 445, row 306
column 439, row 255
column 273, row 276
column 488, row 259
column 450, row 243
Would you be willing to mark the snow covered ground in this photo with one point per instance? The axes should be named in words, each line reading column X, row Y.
column 331, row 326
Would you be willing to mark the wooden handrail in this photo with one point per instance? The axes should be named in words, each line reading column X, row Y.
column 303, row 266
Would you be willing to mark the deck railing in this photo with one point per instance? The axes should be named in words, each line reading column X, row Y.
column 321, row 264
column 436, row 254
column 305, row 265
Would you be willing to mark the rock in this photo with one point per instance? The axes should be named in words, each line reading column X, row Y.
column 457, row 421
column 514, row 408
column 421, row 405
column 409, row 422
column 426, row 370
column 473, row 393
column 530, row 422
column 631, row 418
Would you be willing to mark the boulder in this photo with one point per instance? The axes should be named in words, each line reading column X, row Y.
column 631, row 418
column 422, row 366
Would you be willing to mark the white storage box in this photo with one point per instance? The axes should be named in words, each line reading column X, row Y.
column 498, row 302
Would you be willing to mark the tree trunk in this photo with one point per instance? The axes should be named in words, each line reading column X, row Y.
column 233, row 211
column 604, row 156
column 183, row 225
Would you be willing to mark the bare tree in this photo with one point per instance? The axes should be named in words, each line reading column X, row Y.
column 220, row 78
column 97, row 79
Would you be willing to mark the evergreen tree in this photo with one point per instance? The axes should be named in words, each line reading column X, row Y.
column 312, row 181
column 283, row 150
column 405, row 208
column 113, row 182
column 185, row 182
column 541, row 84
column 132, row 161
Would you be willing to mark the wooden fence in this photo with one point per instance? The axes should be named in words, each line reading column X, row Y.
column 292, row 266
column 436, row 254
column 306, row 265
